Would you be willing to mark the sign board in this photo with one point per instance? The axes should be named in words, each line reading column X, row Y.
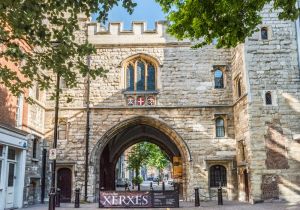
column 139, row 199
column 165, row 199
column 52, row 154
column 177, row 167
column 109, row 199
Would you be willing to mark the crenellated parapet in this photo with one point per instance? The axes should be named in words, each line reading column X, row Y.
column 138, row 35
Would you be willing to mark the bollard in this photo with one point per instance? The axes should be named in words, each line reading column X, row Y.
column 220, row 197
column 151, row 186
column 197, row 199
column 77, row 198
column 57, row 198
column 126, row 187
column 163, row 186
column 100, row 204
column 139, row 187
column 52, row 199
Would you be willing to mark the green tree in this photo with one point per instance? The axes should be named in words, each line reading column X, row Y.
column 38, row 23
column 228, row 21
column 146, row 154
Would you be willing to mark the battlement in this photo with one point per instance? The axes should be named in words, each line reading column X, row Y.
column 138, row 35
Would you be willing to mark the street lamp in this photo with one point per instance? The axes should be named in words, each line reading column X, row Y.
column 53, row 187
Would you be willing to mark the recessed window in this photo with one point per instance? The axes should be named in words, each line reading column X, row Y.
column 264, row 33
column 62, row 83
column 268, row 98
column 34, row 147
column 19, row 111
column 140, row 75
column 62, row 130
column 11, row 154
column 219, row 79
column 239, row 88
column 218, row 176
column 220, row 127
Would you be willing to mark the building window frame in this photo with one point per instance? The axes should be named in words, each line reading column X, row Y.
column 35, row 144
column 132, row 80
column 217, row 176
column 268, row 98
column 62, row 129
column 222, row 69
column 238, row 87
column 264, row 33
column 220, row 126
column 19, row 111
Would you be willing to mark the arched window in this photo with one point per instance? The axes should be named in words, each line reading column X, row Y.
column 239, row 88
column 218, row 176
column 62, row 130
column 219, row 80
column 140, row 75
column 268, row 97
column 220, row 128
column 264, row 33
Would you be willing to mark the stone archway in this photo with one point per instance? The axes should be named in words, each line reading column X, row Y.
column 129, row 132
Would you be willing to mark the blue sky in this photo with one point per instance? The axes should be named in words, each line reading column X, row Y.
column 146, row 10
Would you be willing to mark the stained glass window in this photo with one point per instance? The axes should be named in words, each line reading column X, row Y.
column 140, row 79
column 151, row 78
column 130, row 78
column 219, row 79
column 220, row 129
column 218, row 176
column 140, row 75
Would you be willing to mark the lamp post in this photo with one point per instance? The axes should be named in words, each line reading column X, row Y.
column 53, row 187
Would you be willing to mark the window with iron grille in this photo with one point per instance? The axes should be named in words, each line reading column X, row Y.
column 218, row 176
column 219, row 80
column 220, row 128
column 268, row 97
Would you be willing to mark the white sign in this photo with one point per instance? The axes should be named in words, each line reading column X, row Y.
column 52, row 154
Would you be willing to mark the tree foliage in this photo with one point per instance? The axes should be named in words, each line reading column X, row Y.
column 146, row 154
column 38, row 23
column 227, row 21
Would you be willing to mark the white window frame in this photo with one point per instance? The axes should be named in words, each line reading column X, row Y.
column 19, row 111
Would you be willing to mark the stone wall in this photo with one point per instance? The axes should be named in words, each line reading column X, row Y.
column 272, row 65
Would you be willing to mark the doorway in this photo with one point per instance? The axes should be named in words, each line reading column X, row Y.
column 246, row 185
column 64, row 183
column 10, row 193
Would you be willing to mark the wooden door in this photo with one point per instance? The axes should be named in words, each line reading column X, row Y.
column 10, row 193
column 64, row 183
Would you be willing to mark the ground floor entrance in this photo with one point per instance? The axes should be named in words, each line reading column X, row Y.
column 128, row 133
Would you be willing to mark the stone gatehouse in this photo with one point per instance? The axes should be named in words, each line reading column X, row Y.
column 231, row 115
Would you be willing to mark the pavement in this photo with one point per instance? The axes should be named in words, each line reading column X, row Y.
column 210, row 205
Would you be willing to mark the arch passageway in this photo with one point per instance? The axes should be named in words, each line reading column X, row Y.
column 129, row 132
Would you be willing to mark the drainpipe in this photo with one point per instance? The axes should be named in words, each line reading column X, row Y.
column 298, row 34
column 87, row 134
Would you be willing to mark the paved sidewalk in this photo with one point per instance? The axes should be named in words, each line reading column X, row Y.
column 228, row 205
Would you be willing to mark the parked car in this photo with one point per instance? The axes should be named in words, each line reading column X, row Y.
column 122, row 183
column 170, row 181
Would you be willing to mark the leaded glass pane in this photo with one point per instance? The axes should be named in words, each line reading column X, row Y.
column 220, row 130
column 151, row 78
column 268, row 98
column 130, row 78
column 219, row 79
column 140, row 76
